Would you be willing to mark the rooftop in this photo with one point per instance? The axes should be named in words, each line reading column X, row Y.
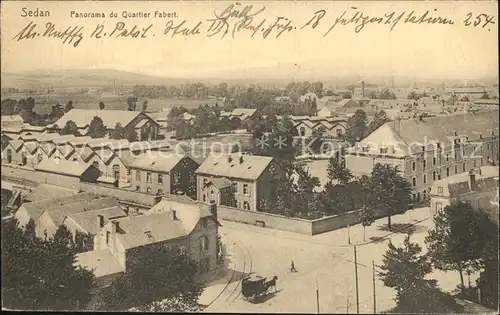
column 157, row 161
column 83, row 117
column 87, row 220
column 60, row 212
column 60, row 166
column 235, row 166
column 101, row 262
column 45, row 191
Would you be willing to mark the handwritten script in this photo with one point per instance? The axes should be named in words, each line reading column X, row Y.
column 240, row 20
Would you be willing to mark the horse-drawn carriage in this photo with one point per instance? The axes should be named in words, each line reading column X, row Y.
column 255, row 286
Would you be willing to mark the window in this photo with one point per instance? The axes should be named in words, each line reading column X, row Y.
column 204, row 243
column 137, row 188
column 414, row 181
column 425, row 178
column 95, row 164
column 245, row 189
column 116, row 171
column 9, row 156
column 424, row 164
column 204, row 223
column 204, row 198
column 488, row 146
column 456, row 169
column 463, row 166
column 456, row 155
column 433, row 175
column 235, row 187
column 474, row 162
column 148, row 190
column 447, row 171
column 366, row 149
column 176, row 178
column 205, row 265
column 148, row 177
column 160, row 192
column 302, row 131
column 447, row 157
column 40, row 158
column 434, row 161
column 181, row 250
column 107, row 237
column 383, row 150
column 339, row 132
column 138, row 175
column 160, row 178
column 413, row 166
column 246, row 205
column 440, row 190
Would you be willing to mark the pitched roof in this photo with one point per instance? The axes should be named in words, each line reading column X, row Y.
column 83, row 117
column 87, row 220
column 45, row 191
column 486, row 102
column 59, row 213
column 65, row 149
column 16, row 144
column 60, row 166
column 228, row 165
column 78, row 141
column 188, row 212
column 36, row 208
column 11, row 118
column 148, row 228
column 47, row 147
column 31, row 146
column 157, row 161
column 243, row 113
column 101, row 262
column 220, row 182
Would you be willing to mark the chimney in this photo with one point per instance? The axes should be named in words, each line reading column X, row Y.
column 114, row 227
column 213, row 209
column 174, row 215
column 241, row 159
column 100, row 220
column 363, row 88
column 472, row 179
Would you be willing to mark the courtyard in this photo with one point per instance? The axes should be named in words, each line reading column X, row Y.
column 324, row 262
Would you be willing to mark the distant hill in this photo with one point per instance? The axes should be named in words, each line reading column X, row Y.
column 79, row 78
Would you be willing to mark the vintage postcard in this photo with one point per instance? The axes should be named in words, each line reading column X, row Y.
column 250, row 156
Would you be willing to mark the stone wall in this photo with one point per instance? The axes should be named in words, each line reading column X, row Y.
column 302, row 226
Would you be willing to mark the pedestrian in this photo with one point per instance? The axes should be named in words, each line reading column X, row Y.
column 292, row 267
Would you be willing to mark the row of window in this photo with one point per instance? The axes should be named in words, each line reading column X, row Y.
column 437, row 176
column 176, row 178
column 424, row 162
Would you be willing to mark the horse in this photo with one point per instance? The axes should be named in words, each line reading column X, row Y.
column 271, row 283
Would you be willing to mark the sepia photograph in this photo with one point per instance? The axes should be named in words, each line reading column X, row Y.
column 224, row 156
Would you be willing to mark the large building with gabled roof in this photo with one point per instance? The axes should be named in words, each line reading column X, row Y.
column 429, row 149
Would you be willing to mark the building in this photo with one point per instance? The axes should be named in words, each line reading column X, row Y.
column 472, row 93
column 243, row 113
column 240, row 181
column 483, row 102
column 478, row 187
column 146, row 127
column 429, row 149
column 46, row 191
column 188, row 228
column 51, row 218
column 164, row 173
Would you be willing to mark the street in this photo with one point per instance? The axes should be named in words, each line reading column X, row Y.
column 324, row 262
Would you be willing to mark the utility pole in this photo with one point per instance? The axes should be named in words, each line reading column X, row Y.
column 374, row 296
column 317, row 294
column 356, row 274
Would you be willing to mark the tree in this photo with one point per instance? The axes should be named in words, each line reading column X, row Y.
column 8, row 107
column 69, row 106
column 101, row 105
column 130, row 134
column 97, row 128
column 118, row 132
column 304, row 196
column 356, row 127
column 144, row 105
column 485, row 96
column 70, row 128
column 412, row 96
column 458, row 239
column 379, row 119
column 132, row 103
column 404, row 269
column 338, row 172
column 56, row 112
column 156, row 278
column 392, row 191
column 40, row 274
column 367, row 212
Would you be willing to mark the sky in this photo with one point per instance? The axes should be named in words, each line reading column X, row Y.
column 427, row 51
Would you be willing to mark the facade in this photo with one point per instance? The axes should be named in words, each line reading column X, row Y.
column 187, row 228
column 146, row 127
column 479, row 187
column 429, row 149
column 164, row 173
column 249, row 175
